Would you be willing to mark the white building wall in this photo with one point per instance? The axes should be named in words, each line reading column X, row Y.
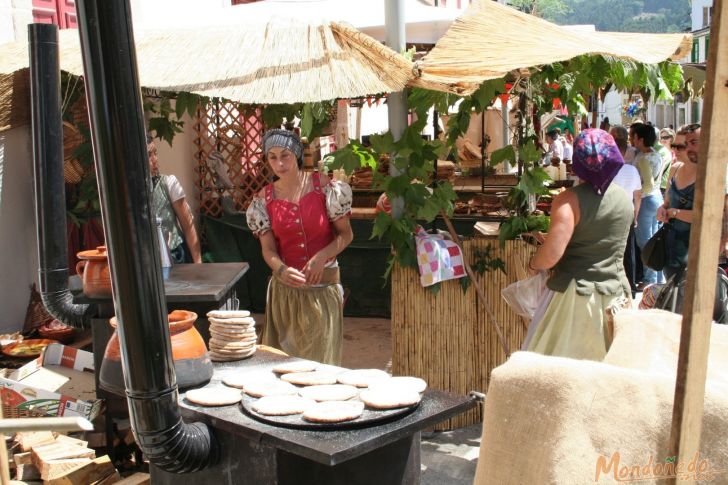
column 179, row 160
column 18, row 247
column 611, row 107
column 18, row 240
column 15, row 15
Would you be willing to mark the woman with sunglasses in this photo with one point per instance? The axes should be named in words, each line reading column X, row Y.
column 678, row 206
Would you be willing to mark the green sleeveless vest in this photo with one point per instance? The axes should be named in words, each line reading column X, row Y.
column 162, row 207
column 594, row 255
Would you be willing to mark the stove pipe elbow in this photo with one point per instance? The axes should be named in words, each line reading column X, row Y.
column 50, row 194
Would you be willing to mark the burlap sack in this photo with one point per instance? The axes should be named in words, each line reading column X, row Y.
column 548, row 420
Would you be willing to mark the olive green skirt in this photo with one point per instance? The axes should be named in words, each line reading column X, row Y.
column 574, row 325
column 305, row 322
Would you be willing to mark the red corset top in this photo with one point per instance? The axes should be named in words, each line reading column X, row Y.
column 300, row 230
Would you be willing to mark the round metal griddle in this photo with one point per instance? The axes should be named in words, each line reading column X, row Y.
column 369, row 417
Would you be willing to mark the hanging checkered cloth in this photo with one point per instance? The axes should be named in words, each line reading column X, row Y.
column 439, row 259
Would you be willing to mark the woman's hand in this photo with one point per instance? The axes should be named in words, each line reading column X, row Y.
column 314, row 269
column 292, row 277
column 531, row 271
column 662, row 214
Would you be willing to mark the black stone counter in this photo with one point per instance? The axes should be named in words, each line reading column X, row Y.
column 325, row 447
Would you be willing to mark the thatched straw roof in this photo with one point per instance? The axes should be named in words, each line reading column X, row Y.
column 490, row 40
column 282, row 61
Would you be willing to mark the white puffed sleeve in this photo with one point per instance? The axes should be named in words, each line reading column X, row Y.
column 338, row 199
column 257, row 215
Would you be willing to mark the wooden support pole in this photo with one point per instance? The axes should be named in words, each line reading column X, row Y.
column 476, row 284
column 704, row 248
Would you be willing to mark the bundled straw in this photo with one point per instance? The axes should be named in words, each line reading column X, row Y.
column 282, row 61
column 490, row 40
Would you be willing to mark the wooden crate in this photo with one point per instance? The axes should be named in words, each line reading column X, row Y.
column 447, row 338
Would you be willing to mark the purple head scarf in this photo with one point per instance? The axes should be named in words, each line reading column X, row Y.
column 596, row 159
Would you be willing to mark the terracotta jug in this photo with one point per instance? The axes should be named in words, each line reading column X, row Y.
column 94, row 272
column 192, row 364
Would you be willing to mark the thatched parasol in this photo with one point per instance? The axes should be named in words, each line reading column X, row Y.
column 282, row 61
column 490, row 40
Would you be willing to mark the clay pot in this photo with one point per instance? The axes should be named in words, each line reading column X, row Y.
column 192, row 364
column 94, row 272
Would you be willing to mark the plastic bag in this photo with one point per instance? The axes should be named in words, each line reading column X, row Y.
column 524, row 296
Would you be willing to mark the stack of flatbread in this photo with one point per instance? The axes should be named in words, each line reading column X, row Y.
column 232, row 335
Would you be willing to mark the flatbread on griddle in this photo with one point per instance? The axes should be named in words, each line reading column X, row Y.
column 401, row 382
column 309, row 378
column 329, row 392
column 389, row 398
column 273, row 388
column 296, row 366
column 241, row 379
column 362, row 377
column 219, row 396
column 282, row 405
column 333, row 411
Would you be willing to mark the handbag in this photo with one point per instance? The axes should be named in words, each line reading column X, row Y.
column 654, row 254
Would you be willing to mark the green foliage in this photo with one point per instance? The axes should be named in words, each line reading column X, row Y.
column 161, row 122
column 483, row 261
column 313, row 117
column 629, row 15
column 548, row 9
column 578, row 78
column 507, row 153
column 352, row 156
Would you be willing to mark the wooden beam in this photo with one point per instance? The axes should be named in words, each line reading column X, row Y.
column 704, row 249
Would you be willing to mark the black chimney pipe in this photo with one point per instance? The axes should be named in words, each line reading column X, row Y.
column 118, row 133
column 50, row 193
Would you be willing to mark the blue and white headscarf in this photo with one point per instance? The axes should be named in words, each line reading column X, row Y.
column 283, row 139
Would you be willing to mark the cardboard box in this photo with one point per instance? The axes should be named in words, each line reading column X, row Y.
column 58, row 383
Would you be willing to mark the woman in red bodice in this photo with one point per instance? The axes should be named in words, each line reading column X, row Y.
column 302, row 221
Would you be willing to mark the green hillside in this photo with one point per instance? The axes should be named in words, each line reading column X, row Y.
column 614, row 15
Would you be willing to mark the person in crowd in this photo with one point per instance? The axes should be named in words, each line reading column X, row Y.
column 649, row 164
column 583, row 250
column 605, row 125
column 569, row 137
column 664, row 148
column 170, row 205
column 679, row 149
column 631, row 153
column 557, row 170
column 302, row 222
column 628, row 178
column 568, row 149
column 555, row 148
column 677, row 208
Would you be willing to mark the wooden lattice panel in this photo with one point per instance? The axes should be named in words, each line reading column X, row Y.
column 237, row 136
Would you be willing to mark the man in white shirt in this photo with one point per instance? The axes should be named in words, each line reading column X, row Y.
column 556, row 148
column 568, row 149
column 628, row 178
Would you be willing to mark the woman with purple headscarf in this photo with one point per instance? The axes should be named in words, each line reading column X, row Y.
column 583, row 252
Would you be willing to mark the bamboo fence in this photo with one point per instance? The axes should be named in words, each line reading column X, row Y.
column 447, row 338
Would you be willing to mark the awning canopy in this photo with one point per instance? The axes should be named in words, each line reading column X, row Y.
column 283, row 61
column 491, row 40
column 424, row 24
